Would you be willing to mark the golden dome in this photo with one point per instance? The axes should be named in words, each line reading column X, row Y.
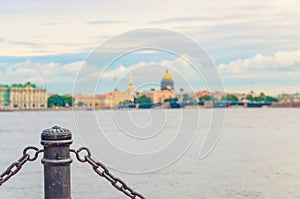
column 167, row 76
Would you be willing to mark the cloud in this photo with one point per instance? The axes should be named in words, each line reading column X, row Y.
column 272, row 74
column 112, row 74
column 25, row 43
column 266, row 23
column 145, row 71
column 52, row 23
column 178, row 64
column 105, row 22
column 72, row 68
column 181, row 20
column 278, row 61
column 39, row 72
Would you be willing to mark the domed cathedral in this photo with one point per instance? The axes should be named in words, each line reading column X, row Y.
column 166, row 91
column 167, row 82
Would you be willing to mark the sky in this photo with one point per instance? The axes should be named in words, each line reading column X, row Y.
column 255, row 45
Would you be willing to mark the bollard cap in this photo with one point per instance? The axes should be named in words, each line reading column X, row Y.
column 56, row 133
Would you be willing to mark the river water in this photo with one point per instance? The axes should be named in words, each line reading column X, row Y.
column 257, row 156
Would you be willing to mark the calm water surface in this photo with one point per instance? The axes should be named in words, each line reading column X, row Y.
column 258, row 156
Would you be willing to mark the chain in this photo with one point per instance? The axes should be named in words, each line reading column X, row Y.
column 15, row 167
column 102, row 171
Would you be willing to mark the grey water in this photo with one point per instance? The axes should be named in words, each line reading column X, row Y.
column 257, row 155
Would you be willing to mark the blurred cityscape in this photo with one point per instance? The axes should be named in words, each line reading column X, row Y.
column 28, row 96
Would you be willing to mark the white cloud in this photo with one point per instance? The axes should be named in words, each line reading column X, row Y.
column 144, row 73
column 272, row 74
column 72, row 68
column 37, row 72
column 178, row 64
column 278, row 61
column 48, row 25
column 25, row 71
column 111, row 74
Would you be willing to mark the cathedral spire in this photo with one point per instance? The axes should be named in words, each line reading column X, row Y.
column 130, row 87
column 130, row 79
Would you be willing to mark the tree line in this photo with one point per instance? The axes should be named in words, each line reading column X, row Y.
column 233, row 98
column 68, row 101
column 60, row 101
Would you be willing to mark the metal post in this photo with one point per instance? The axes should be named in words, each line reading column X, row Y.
column 57, row 160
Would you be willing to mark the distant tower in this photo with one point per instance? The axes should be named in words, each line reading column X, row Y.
column 130, row 89
column 167, row 82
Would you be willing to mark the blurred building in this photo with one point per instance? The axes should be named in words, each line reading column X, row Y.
column 199, row 94
column 4, row 95
column 104, row 100
column 116, row 98
column 160, row 96
column 289, row 97
column 253, row 94
column 107, row 100
column 166, row 92
column 27, row 96
column 240, row 96
column 85, row 101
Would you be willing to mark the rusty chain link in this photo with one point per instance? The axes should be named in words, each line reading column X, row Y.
column 104, row 172
column 15, row 167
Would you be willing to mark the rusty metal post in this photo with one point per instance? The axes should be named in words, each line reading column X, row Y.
column 57, row 160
